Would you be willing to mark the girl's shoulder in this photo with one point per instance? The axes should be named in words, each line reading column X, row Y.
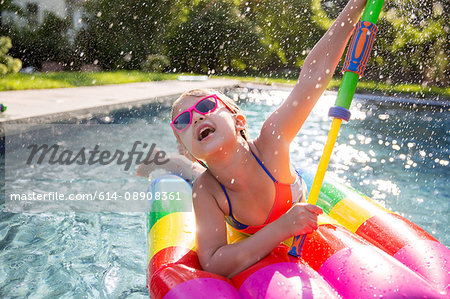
column 205, row 181
column 207, row 188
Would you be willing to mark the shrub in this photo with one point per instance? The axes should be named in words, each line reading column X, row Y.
column 155, row 63
column 8, row 64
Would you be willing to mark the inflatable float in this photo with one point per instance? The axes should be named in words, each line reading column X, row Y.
column 360, row 250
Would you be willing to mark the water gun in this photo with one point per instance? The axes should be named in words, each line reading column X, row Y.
column 355, row 62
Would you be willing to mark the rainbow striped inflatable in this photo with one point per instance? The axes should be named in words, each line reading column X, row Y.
column 360, row 250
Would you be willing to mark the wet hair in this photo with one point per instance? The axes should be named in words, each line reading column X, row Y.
column 205, row 92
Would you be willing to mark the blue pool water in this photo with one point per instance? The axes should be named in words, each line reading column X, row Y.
column 396, row 154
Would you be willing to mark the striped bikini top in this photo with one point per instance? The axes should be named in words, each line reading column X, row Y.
column 285, row 196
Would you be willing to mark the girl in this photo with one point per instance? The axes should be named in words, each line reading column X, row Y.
column 250, row 184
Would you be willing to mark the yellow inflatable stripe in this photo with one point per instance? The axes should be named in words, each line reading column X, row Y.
column 176, row 229
column 325, row 219
column 234, row 236
column 351, row 213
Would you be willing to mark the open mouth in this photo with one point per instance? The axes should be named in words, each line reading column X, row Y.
column 205, row 132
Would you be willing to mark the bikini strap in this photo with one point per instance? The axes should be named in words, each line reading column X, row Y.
column 225, row 191
column 263, row 167
column 228, row 200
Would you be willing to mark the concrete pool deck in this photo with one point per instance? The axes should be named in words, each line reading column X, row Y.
column 62, row 104
column 47, row 105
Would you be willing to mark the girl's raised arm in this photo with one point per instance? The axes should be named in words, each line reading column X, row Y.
column 315, row 75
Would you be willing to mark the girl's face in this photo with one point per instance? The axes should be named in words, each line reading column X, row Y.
column 207, row 133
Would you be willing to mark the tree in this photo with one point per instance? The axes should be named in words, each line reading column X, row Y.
column 121, row 34
column 9, row 6
column 47, row 42
column 419, row 37
column 214, row 37
column 288, row 30
column 412, row 41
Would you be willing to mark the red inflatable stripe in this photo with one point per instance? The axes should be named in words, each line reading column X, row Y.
column 391, row 232
column 320, row 245
column 171, row 256
column 170, row 277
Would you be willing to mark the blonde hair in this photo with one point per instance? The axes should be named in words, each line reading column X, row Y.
column 205, row 92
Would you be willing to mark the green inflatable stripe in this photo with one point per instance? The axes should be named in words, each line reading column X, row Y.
column 329, row 196
column 171, row 194
column 153, row 217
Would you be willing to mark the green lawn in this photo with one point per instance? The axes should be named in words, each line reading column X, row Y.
column 413, row 90
column 74, row 79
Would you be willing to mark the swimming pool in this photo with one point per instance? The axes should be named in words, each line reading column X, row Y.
column 396, row 154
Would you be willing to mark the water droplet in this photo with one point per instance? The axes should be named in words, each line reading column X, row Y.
column 444, row 162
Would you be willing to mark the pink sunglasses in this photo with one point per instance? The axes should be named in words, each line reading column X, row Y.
column 206, row 105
